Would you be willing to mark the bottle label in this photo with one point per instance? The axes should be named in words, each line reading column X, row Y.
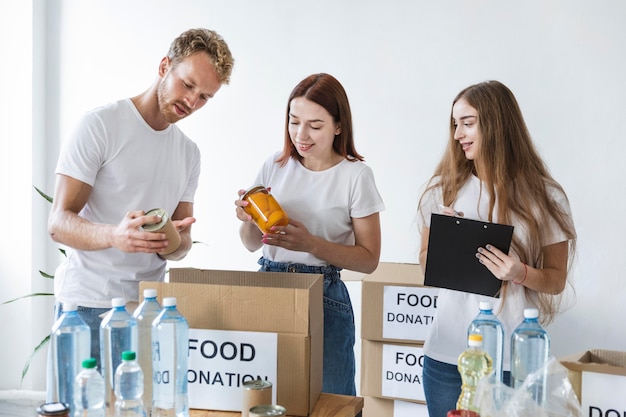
column 164, row 366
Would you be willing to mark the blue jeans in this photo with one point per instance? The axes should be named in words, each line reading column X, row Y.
column 91, row 316
column 442, row 386
column 339, row 333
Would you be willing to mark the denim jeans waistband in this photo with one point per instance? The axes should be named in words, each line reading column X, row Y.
column 329, row 272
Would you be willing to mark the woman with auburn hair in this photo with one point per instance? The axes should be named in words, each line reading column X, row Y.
column 491, row 171
column 333, row 205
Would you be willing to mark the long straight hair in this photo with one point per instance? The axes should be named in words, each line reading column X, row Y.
column 513, row 174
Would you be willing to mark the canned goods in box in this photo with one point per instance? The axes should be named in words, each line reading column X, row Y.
column 266, row 410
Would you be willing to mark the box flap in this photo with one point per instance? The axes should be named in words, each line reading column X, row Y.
column 389, row 272
column 597, row 360
column 243, row 278
column 397, row 273
column 244, row 300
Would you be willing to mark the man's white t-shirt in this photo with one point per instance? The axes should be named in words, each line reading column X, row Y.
column 129, row 166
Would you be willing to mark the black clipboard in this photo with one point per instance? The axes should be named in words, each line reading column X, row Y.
column 451, row 260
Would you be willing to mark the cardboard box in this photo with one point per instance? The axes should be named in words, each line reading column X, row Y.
column 599, row 380
column 382, row 407
column 397, row 307
column 287, row 304
column 392, row 371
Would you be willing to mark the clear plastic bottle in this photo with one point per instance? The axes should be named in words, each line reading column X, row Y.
column 530, row 350
column 129, row 387
column 473, row 364
column 89, row 391
column 145, row 314
column 170, row 343
column 490, row 328
column 118, row 333
column 70, row 343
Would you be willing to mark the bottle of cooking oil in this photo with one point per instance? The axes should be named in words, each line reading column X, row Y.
column 474, row 363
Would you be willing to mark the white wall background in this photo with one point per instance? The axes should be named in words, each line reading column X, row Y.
column 401, row 62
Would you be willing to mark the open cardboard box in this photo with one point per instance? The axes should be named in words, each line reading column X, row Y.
column 598, row 378
column 284, row 303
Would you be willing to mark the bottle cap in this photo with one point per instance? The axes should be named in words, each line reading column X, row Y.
column 118, row 302
column 128, row 355
column 169, row 302
column 150, row 293
column 89, row 363
column 69, row 307
column 475, row 339
column 531, row 313
column 485, row 305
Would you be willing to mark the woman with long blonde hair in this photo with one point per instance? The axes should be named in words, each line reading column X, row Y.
column 491, row 171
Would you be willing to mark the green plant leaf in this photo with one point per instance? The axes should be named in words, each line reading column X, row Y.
column 40, row 346
column 44, row 195
column 37, row 294
column 46, row 275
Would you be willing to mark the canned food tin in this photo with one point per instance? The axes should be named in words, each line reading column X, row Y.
column 164, row 226
column 266, row 410
column 264, row 209
column 53, row 409
column 255, row 392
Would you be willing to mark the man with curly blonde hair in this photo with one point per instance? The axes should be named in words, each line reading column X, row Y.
column 123, row 159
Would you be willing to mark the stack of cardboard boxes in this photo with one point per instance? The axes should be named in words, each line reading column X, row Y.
column 396, row 313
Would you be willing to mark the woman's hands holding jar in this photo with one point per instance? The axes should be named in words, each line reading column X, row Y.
column 294, row 236
column 239, row 209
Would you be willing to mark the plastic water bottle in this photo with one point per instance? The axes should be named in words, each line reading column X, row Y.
column 129, row 387
column 530, row 349
column 490, row 328
column 170, row 344
column 145, row 314
column 70, row 343
column 89, row 391
column 118, row 333
column 473, row 364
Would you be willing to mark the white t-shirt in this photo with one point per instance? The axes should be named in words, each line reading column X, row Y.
column 324, row 201
column 456, row 309
column 130, row 166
